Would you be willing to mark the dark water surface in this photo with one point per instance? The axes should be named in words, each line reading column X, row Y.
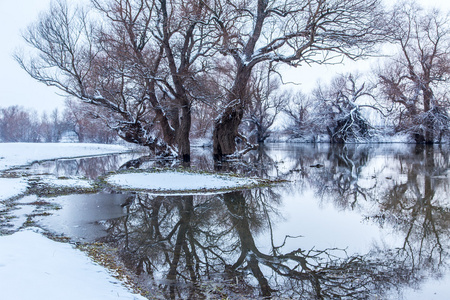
column 354, row 222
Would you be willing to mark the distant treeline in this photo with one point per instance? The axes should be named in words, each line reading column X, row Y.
column 19, row 124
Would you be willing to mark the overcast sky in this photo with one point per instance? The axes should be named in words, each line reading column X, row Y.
column 17, row 88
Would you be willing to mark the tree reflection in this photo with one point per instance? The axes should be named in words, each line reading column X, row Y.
column 89, row 167
column 340, row 179
column 223, row 246
column 409, row 195
column 418, row 208
column 204, row 246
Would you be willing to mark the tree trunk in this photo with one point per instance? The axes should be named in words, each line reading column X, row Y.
column 429, row 128
column 226, row 131
column 184, row 145
column 237, row 207
column 227, row 125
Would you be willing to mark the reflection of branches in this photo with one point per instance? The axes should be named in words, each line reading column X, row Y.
column 414, row 205
column 184, row 244
column 312, row 273
column 418, row 208
column 90, row 167
column 340, row 179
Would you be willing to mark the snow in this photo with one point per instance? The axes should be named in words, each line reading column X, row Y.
column 35, row 267
column 20, row 154
column 170, row 181
column 11, row 187
column 67, row 182
column 18, row 217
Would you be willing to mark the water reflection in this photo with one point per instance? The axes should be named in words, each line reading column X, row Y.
column 187, row 245
column 231, row 245
column 88, row 167
column 81, row 216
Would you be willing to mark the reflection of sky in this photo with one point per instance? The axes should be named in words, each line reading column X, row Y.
column 323, row 221
column 321, row 226
column 81, row 215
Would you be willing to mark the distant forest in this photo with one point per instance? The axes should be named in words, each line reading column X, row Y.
column 74, row 124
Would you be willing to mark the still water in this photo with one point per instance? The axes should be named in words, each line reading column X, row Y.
column 353, row 222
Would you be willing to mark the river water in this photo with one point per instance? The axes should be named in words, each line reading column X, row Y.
column 353, row 222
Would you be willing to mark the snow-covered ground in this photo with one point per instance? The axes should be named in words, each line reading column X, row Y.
column 67, row 182
column 35, row 267
column 19, row 154
column 11, row 187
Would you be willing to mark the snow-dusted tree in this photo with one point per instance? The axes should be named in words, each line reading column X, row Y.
column 303, row 115
column 335, row 109
column 137, row 63
column 266, row 102
column 340, row 108
column 416, row 80
column 290, row 32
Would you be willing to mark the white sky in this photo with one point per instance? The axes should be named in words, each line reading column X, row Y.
column 17, row 88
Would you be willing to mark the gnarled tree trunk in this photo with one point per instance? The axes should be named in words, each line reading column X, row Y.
column 183, row 142
column 226, row 131
column 226, row 127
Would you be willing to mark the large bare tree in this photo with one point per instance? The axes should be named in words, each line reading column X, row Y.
column 415, row 80
column 75, row 54
column 289, row 32
column 141, row 64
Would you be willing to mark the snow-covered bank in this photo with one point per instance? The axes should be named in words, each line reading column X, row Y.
column 11, row 187
column 171, row 181
column 19, row 154
column 35, row 267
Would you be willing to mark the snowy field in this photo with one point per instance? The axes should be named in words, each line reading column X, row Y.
column 35, row 267
column 11, row 187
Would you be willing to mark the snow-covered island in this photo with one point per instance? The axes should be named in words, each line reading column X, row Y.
column 180, row 182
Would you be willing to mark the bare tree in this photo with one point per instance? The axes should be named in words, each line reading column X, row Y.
column 266, row 103
column 82, row 119
column 137, row 64
column 341, row 108
column 289, row 32
column 302, row 112
column 18, row 125
column 415, row 80
column 52, row 128
column 69, row 57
